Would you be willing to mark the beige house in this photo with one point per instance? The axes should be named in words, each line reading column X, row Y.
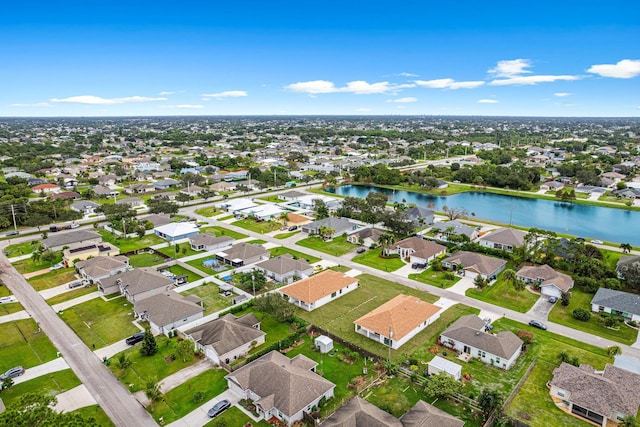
column 473, row 263
column 83, row 251
column 552, row 283
column 94, row 269
column 319, row 289
column 365, row 237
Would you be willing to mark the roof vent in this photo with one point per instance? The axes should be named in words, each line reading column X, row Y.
column 477, row 332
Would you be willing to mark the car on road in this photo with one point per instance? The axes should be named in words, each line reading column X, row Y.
column 360, row 250
column 12, row 373
column 13, row 233
column 538, row 324
column 596, row 242
column 219, row 408
column 135, row 338
column 553, row 300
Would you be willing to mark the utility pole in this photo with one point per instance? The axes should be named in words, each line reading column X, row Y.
column 390, row 337
column 13, row 213
column 253, row 284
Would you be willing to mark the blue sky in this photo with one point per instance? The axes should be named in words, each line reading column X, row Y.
column 560, row 58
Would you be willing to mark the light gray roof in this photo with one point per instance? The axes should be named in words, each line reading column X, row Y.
column 424, row 415
column 419, row 212
column 244, row 251
column 469, row 330
column 618, row 300
column 282, row 383
column 357, row 412
column 227, row 333
column 99, row 266
column 506, row 236
column 284, row 264
column 142, row 280
column 157, row 219
column 166, row 308
column 627, row 260
column 83, row 204
column 292, row 193
column 481, row 263
column 458, row 227
column 615, row 390
column 337, row 223
column 208, row 239
column 65, row 239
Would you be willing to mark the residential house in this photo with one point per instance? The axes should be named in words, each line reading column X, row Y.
column 108, row 180
column 338, row 224
column 94, row 269
column 223, row 186
column 236, row 206
column 506, row 239
column 263, row 212
column 82, row 251
column 421, row 251
column 85, row 207
column 56, row 242
column 227, row 338
column 281, row 387
column 136, row 284
column 192, row 190
column 617, row 302
column 626, row 262
column 468, row 335
column 601, row 397
column 176, row 231
column 102, row 191
column 242, row 254
column 209, row 242
column 292, row 195
column 133, row 202
column 157, row 219
column 165, row 195
column 474, row 264
column 320, row 289
column 284, row 268
column 395, row 322
column 139, row 189
column 166, row 184
column 46, row 188
column 366, row 237
column 552, row 283
column 307, row 202
column 420, row 216
column 67, row 195
column 551, row 186
column 444, row 229
column 168, row 310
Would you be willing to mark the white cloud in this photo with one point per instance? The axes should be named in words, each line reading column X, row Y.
column 359, row 87
column 166, row 92
column 532, row 80
column 488, row 101
column 403, row 74
column 561, row 94
column 448, row 84
column 96, row 100
column 184, row 106
column 402, row 100
column 35, row 104
column 510, row 68
column 624, row 69
column 225, row 94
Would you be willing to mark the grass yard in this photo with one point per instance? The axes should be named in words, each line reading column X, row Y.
column 338, row 316
column 257, row 227
column 22, row 344
column 373, row 258
column 579, row 299
column 221, row 231
column 179, row 271
column 179, row 402
column 95, row 411
column 29, row 266
column 131, row 243
column 19, row 249
column 338, row 246
column 183, row 250
column 435, row 278
column 273, row 199
column 158, row 366
column 235, row 417
column 503, row 294
column 50, row 384
column 4, row 291
column 256, row 242
column 208, row 212
column 285, row 235
column 610, row 258
column 213, row 301
column 53, row 278
column 145, row 260
column 197, row 263
column 340, row 268
column 296, row 254
column 72, row 294
column 12, row 307
column 99, row 322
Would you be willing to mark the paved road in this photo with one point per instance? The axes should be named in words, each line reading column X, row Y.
column 111, row 395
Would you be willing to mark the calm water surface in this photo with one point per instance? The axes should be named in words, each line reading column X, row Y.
column 593, row 222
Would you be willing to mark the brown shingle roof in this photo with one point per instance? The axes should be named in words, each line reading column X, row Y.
column 474, row 261
column 424, row 415
column 359, row 413
column 402, row 314
column 313, row 288
column 549, row 275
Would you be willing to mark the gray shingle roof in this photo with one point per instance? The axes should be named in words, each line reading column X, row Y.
column 506, row 236
column 357, row 412
column 65, row 239
column 227, row 333
column 424, row 415
column 618, row 300
column 469, row 330
column 244, row 251
column 166, row 308
column 284, row 264
column 208, row 239
column 142, row 280
column 458, row 227
column 99, row 266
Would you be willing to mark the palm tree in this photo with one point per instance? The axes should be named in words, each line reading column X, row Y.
column 509, row 276
column 153, row 392
column 385, row 240
column 626, row 248
column 284, row 217
column 628, row 421
column 519, row 285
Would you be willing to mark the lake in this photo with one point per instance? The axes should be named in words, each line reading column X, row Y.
column 592, row 222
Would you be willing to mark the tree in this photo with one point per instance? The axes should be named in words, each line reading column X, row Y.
column 454, row 213
column 442, row 386
column 385, row 240
column 519, row 286
column 276, row 305
column 252, row 280
column 479, row 282
column 628, row 421
column 123, row 361
column 581, row 314
column 320, row 208
column 565, row 298
column 626, row 248
column 159, row 205
column 284, row 218
column 184, row 350
column 631, row 275
column 149, row 345
column 614, row 350
column 490, row 401
column 183, row 198
column 509, row 276
column 153, row 392
column 36, row 409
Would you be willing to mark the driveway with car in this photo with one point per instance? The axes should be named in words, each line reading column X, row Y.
column 541, row 308
column 200, row 417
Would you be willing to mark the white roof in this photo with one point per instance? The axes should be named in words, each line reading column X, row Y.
column 239, row 204
column 177, row 228
column 308, row 199
column 264, row 210
column 445, row 365
column 324, row 340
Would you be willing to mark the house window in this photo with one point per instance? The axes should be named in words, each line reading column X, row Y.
column 600, row 308
column 560, row 393
column 497, row 360
column 333, row 295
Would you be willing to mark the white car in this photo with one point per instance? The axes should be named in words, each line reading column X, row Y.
column 596, row 242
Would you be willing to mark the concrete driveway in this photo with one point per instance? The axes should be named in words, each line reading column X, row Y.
column 199, row 417
column 541, row 308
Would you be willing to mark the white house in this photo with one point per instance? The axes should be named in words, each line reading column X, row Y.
column 176, row 231
column 438, row 365
column 619, row 303
column 418, row 250
column 168, row 310
column 320, row 289
column 397, row 321
column 284, row 268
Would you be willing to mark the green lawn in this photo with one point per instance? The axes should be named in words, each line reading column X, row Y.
column 197, row 263
column 12, row 307
column 22, row 345
column 72, row 294
column 610, row 258
column 4, row 291
column 338, row 246
column 99, row 322
column 224, row 218
column 208, row 212
column 211, row 298
column 145, row 260
column 579, row 299
column 256, row 242
column 53, row 278
column 95, row 412
column 285, row 235
column 257, row 227
column 503, row 294
column 340, row 268
column 51, row 384
column 28, row 266
column 338, row 316
column 296, row 254
column 435, row 278
column 179, row 271
column 19, row 249
column 131, row 243
column 179, row 402
column 158, row 366
column 183, row 250
column 373, row 258
column 221, row 231
column 235, row 417
column 274, row 199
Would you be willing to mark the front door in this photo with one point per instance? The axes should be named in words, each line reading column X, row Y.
column 467, row 349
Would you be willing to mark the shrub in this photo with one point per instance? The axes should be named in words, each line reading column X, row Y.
column 449, row 275
column 198, row 396
column 581, row 314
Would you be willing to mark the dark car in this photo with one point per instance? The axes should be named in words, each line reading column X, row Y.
column 293, row 228
column 13, row 233
column 219, row 408
column 76, row 284
column 553, row 300
column 135, row 338
column 537, row 324
column 12, row 373
column 360, row 250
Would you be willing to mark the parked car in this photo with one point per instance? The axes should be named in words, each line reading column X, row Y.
column 360, row 250
column 553, row 300
column 293, row 228
column 5, row 299
column 12, row 373
column 135, row 338
column 538, row 324
column 13, row 233
column 417, row 265
column 75, row 284
column 219, row 408
column 596, row 242
column 57, row 266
